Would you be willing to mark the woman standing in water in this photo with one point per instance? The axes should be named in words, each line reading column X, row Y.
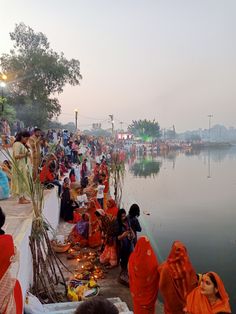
column 209, row 298
column 22, row 167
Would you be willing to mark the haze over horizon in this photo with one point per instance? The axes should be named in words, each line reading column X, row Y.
column 169, row 60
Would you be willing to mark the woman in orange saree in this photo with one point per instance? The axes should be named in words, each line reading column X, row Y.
column 177, row 279
column 208, row 298
column 112, row 209
column 143, row 277
column 94, row 239
column 11, row 301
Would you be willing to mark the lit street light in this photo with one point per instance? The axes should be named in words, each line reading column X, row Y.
column 3, row 84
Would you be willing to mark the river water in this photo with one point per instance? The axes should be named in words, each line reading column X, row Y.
column 190, row 197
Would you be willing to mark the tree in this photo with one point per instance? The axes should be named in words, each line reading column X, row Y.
column 145, row 129
column 36, row 74
column 6, row 111
column 70, row 126
column 98, row 132
column 146, row 168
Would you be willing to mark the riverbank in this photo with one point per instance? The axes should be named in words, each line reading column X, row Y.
column 109, row 285
column 18, row 224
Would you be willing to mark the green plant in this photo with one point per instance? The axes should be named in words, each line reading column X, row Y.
column 47, row 273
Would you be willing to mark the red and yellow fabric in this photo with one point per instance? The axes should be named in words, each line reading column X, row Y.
column 198, row 303
column 177, row 279
column 106, row 191
column 143, row 277
column 11, row 301
column 109, row 255
column 112, row 209
column 46, row 175
column 95, row 238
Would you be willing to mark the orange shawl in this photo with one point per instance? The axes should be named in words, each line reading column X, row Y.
column 143, row 277
column 177, row 279
column 197, row 303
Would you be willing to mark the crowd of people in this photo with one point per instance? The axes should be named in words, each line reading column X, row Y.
column 78, row 166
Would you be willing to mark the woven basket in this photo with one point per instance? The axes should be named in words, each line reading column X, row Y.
column 60, row 248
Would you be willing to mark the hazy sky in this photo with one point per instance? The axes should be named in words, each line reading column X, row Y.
column 172, row 60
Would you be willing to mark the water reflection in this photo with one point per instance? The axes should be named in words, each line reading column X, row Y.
column 216, row 154
column 194, row 203
column 145, row 167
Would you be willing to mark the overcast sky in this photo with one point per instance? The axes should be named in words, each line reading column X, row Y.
column 172, row 60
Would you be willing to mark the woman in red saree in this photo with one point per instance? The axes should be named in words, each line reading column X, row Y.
column 94, row 239
column 112, row 209
column 80, row 232
column 177, row 279
column 209, row 298
column 143, row 277
column 11, row 301
column 107, row 226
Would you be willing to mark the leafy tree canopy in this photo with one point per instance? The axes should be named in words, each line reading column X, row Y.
column 35, row 75
column 70, row 126
column 145, row 129
column 146, row 168
column 98, row 132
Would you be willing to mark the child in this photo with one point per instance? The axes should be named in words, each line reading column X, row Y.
column 100, row 192
column 7, row 168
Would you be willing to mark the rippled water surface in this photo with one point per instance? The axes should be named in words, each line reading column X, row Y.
column 190, row 197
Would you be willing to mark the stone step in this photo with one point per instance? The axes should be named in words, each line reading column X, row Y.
column 70, row 307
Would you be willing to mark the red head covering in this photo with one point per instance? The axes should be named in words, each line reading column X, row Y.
column 143, row 276
column 95, row 234
column 181, row 269
column 111, row 203
column 198, row 303
column 111, row 208
column 177, row 278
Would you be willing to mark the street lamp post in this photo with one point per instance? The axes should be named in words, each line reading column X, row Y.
column 209, row 130
column 76, row 119
column 3, row 85
column 112, row 123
